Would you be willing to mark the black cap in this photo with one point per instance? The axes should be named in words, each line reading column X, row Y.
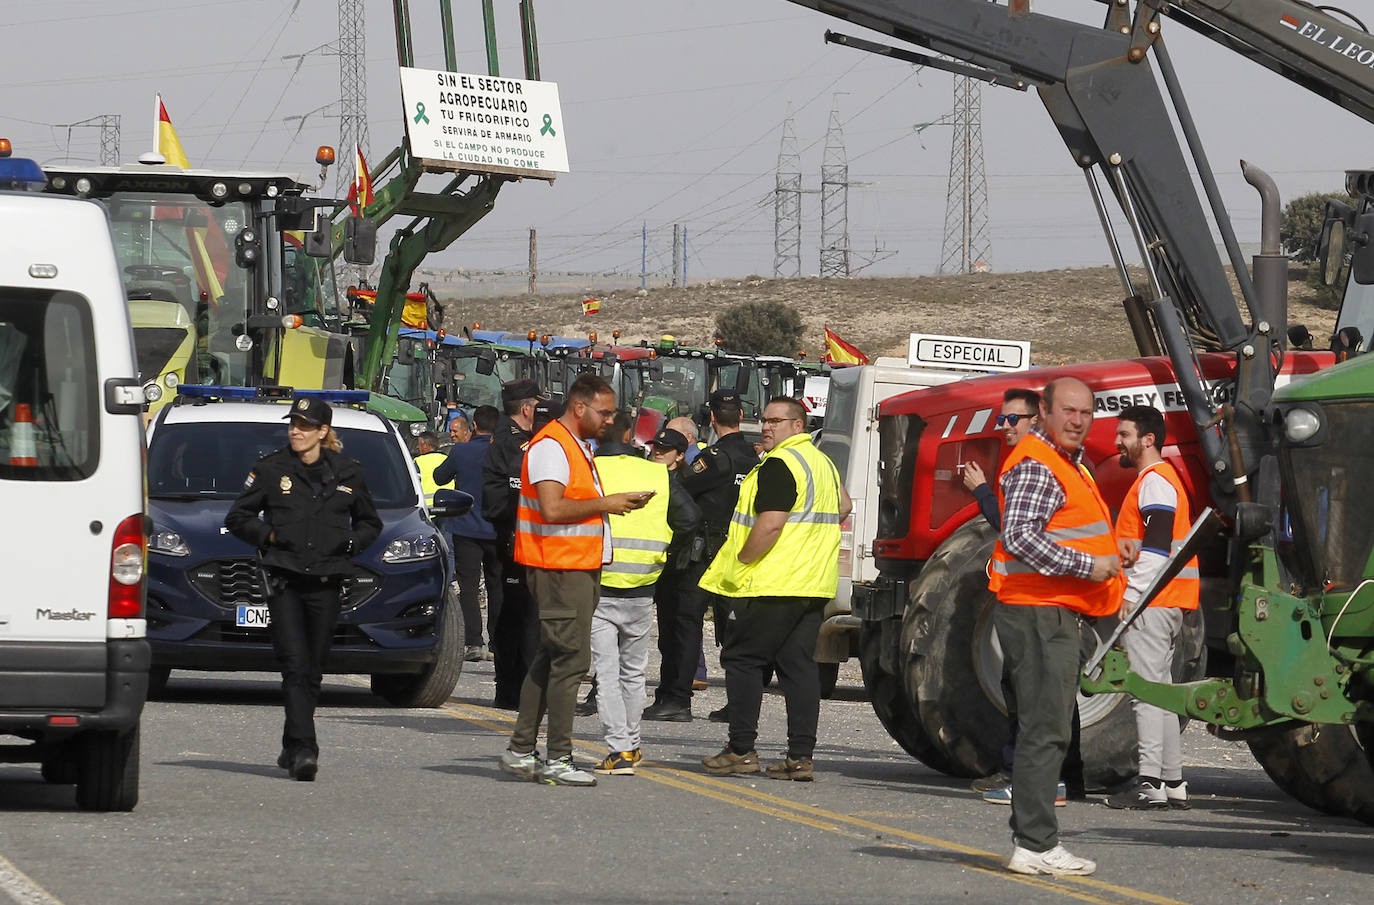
column 524, row 388
column 671, row 439
column 725, row 397
column 310, row 410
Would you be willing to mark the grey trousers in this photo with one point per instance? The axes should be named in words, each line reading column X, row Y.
column 1040, row 644
column 620, row 656
column 1150, row 643
column 566, row 600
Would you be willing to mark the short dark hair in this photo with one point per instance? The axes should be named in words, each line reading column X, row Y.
column 429, row 437
column 1147, row 420
column 727, row 414
column 1023, row 394
column 587, row 387
column 794, row 407
column 623, row 421
column 484, row 418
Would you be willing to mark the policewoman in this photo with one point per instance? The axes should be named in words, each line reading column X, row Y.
column 307, row 509
column 779, row 566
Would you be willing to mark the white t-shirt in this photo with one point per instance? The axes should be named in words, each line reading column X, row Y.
column 546, row 461
column 1155, row 493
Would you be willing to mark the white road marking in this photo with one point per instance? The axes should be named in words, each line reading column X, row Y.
column 20, row 889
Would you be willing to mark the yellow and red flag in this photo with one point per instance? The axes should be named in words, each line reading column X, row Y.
column 841, row 352
column 591, row 306
column 360, row 194
column 209, row 250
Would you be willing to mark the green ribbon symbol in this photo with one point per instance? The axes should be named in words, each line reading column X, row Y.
column 547, row 128
column 420, row 112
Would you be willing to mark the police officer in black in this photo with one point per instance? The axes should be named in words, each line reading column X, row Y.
column 307, row 509
column 713, row 480
column 515, row 629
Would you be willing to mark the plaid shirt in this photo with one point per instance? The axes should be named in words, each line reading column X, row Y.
column 1033, row 496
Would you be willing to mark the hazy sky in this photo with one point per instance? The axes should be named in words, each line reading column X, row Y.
column 672, row 114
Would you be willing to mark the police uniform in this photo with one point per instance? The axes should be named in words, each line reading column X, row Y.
column 515, row 627
column 713, row 480
column 313, row 519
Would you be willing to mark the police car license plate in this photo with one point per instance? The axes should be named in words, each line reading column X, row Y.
column 252, row 616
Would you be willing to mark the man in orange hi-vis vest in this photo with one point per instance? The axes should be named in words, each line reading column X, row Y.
column 1056, row 560
column 1154, row 521
column 562, row 539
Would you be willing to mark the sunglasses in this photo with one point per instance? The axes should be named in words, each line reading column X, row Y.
column 1004, row 420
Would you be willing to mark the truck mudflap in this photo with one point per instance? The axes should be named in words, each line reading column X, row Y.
column 125, row 675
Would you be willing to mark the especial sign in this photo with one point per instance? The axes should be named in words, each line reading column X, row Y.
column 968, row 354
column 483, row 123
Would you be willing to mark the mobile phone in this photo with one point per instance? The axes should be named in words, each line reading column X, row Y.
column 647, row 495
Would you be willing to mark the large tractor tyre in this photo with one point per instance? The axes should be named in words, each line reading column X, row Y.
column 954, row 668
column 434, row 686
column 107, row 772
column 894, row 710
column 1322, row 765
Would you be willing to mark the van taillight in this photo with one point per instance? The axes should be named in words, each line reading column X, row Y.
column 128, row 566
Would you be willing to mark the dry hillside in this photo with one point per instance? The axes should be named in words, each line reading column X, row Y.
column 1068, row 315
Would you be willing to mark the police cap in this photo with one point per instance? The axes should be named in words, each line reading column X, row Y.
column 524, row 388
column 670, row 439
column 722, row 398
column 311, row 410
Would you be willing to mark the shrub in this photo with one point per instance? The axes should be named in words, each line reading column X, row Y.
column 763, row 328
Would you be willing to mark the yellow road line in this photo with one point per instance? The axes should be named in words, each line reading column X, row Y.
column 732, row 792
column 21, row 888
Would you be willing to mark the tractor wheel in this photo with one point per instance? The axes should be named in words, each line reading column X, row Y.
column 890, row 702
column 1322, row 765
column 954, row 669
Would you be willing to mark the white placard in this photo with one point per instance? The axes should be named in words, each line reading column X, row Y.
column 968, row 354
column 484, row 123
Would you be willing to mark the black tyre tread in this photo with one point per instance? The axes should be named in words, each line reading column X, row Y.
column 157, row 680
column 434, row 686
column 945, row 602
column 890, row 703
column 108, row 771
column 1321, row 765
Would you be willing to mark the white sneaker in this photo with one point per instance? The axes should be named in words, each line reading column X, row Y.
column 1177, row 796
column 563, row 772
column 525, row 766
column 1057, row 862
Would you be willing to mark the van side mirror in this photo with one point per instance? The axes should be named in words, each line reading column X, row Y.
column 360, row 240
column 742, row 379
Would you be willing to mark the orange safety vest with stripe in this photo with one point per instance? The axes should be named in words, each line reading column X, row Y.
column 1182, row 592
column 1083, row 523
column 558, row 545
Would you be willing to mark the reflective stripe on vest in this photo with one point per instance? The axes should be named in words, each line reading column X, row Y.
column 1083, row 523
column 640, row 538
column 804, row 562
column 558, row 545
column 427, row 463
column 1181, row 593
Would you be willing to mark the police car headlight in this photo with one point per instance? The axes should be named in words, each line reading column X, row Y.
column 168, row 543
column 411, row 549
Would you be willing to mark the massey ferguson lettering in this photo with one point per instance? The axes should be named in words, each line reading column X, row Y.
column 63, row 615
column 1338, row 44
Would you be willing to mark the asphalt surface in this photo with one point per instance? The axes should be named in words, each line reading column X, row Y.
column 409, row 807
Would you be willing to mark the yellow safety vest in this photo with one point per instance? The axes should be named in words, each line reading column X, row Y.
column 427, row 463
column 639, row 539
column 805, row 561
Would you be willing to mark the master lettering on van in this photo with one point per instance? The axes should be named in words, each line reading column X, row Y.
column 63, row 615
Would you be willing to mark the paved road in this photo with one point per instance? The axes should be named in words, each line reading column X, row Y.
column 410, row 808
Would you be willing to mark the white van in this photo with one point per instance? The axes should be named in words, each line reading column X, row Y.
column 73, row 653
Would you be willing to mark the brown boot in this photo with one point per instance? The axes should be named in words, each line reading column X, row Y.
column 799, row 770
column 728, row 761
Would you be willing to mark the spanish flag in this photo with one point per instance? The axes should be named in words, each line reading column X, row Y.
column 841, row 352
column 360, row 194
column 591, row 306
column 209, row 250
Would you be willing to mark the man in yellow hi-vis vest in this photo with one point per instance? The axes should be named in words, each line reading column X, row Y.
column 427, row 459
column 779, row 566
column 625, row 611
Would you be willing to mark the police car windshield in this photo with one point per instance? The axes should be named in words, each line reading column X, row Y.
column 209, row 460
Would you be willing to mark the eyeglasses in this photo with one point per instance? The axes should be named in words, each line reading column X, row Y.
column 1003, row 420
column 779, row 420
